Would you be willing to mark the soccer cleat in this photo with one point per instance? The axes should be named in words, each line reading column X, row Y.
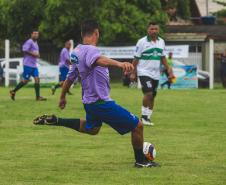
column 146, row 164
column 147, row 122
column 53, row 89
column 40, row 98
column 45, row 120
column 12, row 95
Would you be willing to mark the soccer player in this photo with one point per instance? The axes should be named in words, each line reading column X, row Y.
column 168, row 82
column 64, row 63
column 99, row 107
column 31, row 54
column 150, row 52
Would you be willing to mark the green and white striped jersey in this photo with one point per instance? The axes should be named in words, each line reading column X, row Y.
column 149, row 54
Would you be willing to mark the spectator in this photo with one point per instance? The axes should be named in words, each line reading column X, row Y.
column 168, row 82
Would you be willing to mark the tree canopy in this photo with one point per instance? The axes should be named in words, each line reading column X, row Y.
column 121, row 21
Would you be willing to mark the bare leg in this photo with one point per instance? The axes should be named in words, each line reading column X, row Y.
column 148, row 100
column 137, row 141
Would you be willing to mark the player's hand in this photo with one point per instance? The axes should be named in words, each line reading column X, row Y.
column 133, row 77
column 127, row 67
column 36, row 54
column 62, row 103
column 170, row 72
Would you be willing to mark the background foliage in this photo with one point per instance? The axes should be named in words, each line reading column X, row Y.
column 122, row 22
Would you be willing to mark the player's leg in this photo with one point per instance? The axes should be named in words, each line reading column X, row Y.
column 54, row 88
column 72, row 123
column 26, row 76
column 63, row 75
column 149, row 88
column 35, row 74
column 123, row 122
column 137, row 140
column 78, row 125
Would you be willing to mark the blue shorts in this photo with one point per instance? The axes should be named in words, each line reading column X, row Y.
column 112, row 114
column 63, row 73
column 30, row 71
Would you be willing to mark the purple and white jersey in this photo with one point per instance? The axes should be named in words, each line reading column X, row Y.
column 64, row 57
column 30, row 46
column 94, row 79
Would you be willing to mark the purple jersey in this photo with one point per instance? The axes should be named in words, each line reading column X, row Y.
column 64, row 57
column 30, row 46
column 94, row 79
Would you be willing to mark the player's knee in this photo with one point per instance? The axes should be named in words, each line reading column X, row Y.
column 139, row 126
column 149, row 95
column 93, row 131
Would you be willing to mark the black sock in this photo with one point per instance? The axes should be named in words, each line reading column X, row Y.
column 19, row 85
column 69, row 123
column 144, row 117
column 57, row 86
column 139, row 155
column 37, row 89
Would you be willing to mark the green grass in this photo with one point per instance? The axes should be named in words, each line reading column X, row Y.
column 189, row 135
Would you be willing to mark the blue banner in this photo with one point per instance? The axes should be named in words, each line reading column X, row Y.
column 185, row 78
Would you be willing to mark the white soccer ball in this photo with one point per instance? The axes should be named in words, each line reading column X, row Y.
column 149, row 151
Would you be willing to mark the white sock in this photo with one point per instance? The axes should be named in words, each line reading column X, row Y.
column 145, row 111
column 149, row 113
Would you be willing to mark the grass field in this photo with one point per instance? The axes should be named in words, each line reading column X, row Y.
column 189, row 135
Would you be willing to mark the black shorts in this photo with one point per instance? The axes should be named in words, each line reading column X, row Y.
column 149, row 85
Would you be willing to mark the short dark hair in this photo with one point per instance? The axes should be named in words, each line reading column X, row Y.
column 88, row 27
column 34, row 30
column 152, row 23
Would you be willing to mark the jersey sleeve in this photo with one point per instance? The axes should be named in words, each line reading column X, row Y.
column 72, row 73
column 164, row 49
column 26, row 46
column 92, row 55
column 66, row 55
column 138, row 49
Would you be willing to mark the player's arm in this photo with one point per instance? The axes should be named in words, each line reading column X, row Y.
column 107, row 62
column 133, row 75
column 168, row 68
column 66, row 86
column 34, row 54
column 137, row 55
column 26, row 50
column 72, row 75
column 67, row 56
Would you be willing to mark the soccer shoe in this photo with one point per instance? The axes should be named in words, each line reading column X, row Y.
column 53, row 89
column 45, row 120
column 148, row 164
column 12, row 95
column 147, row 122
column 40, row 98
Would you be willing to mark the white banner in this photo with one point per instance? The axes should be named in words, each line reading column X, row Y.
column 48, row 74
column 179, row 51
column 127, row 52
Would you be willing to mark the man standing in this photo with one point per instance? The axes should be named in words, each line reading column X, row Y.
column 64, row 62
column 150, row 52
column 168, row 82
column 99, row 107
column 31, row 54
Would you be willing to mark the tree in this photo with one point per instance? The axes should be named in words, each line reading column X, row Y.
column 121, row 21
column 20, row 17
